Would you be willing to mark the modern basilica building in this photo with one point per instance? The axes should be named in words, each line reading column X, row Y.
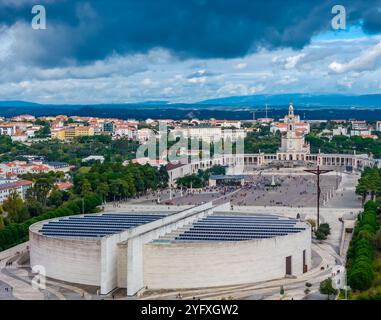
column 200, row 247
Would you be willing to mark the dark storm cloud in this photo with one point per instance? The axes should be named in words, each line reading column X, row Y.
column 372, row 21
column 81, row 32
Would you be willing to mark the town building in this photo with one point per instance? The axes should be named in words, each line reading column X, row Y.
column 69, row 133
column 24, row 117
column 16, row 167
column 209, row 134
column 340, row 131
column 378, row 126
column 9, row 185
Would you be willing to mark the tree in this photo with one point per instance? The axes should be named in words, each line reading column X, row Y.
column 55, row 198
column 2, row 224
column 325, row 228
column 22, row 215
column 323, row 231
column 369, row 183
column 281, row 292
column 163, row 177
column 34, row 207
column 114, row 189
column 13, row 205
column 373, row 182
column 40, row 190
column 320, row 235
column 312, row 222
column 192, row 180
column 378, row 240
column 217, row 170
column 103, row 190
column 85, row 187
column 326, row 287
column 361, row 190
column 44, row 131
column 361, row 275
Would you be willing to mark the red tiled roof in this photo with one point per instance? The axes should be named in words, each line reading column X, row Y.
column 16, row 184
column 171, row 166
column 64, row 185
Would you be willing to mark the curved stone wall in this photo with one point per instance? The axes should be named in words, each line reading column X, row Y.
column 208, row 264
column 71, row 260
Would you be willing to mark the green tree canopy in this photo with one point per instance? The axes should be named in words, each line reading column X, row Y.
column 13, row 205
column 326, row 287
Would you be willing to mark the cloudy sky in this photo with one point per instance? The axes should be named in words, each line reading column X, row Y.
column 119, row 51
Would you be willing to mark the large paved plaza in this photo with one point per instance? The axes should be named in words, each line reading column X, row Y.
column 292, row 189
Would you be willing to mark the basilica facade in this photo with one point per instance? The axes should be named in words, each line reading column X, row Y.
column 293, row 146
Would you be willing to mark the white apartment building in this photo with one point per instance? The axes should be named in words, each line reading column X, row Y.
column 19, row 137
column 7, row 129
column 209, row 134
column 8, row 185
column 378, row 126
column 145, row 134
column 340, row 131
column 226, row 123
column 359, row 125
column 361, row 132
column 11, row 128
column 125, row 131
column 15, row 168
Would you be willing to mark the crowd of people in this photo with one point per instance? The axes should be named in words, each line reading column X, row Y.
column 262, row 190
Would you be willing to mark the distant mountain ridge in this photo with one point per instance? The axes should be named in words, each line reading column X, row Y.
column 334, row 100
column 258, row 100
column 17, row 103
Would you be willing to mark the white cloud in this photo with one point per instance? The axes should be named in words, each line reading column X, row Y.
column 292, row 61
column 239, row 89
column 147, row 82
column 287, row 79
column 367, row 60
column 196, row 80
column 241, row 65
column 168, row 91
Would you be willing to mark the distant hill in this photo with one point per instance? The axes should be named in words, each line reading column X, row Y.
column 244, row 102
column 16, row 103
column 157, row 110
column 336, row 100
column 153, row 102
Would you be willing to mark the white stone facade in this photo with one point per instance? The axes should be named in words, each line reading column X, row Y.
column 209, row 264
column 71, row 260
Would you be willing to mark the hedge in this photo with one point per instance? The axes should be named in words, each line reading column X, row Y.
column 362, row 249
